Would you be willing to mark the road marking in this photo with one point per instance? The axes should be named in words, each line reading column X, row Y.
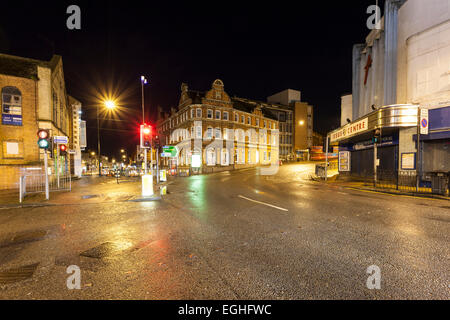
column 392, row 195
column 263, row 203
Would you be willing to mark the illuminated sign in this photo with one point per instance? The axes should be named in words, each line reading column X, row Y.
column 350, row 130
column 196, row 161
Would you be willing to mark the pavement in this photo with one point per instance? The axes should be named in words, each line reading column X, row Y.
column 230, row 235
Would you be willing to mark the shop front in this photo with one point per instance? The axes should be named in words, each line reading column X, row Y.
column 377, row 142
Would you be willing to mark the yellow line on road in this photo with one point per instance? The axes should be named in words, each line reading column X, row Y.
column 263, row 203
column 391, row 194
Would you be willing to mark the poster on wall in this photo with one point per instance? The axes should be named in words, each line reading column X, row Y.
column 409, row 161
column 12, row 108
column 344, row 161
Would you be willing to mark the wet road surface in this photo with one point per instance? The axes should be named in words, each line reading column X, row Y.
column 235, row 235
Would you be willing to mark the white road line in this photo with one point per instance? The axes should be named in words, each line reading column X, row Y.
column 263, row 203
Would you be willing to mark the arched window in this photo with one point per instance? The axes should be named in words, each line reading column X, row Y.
column 11, row 106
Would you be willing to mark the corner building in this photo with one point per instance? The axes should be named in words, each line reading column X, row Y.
column 224, row 134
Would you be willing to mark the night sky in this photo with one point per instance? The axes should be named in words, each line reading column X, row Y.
column 256, row 48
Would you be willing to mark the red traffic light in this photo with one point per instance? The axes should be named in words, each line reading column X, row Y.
column 63, row 147
column 43, row 134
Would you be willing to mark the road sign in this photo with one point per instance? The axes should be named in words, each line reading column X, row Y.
column 424, row 121
column 72, row 151
column 169, row 152
column 61, row 139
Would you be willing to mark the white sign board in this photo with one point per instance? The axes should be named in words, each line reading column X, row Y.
column 350, row 130
column 344, row 161
column 61, row 139
column 424, row 121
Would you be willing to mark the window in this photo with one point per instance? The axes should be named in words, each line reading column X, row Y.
column 199, row 132
column 225, row 157
column 210, row 114
column 236, row 117
column 217, row 133
column 211, row 157
column 243, row 119
column 225, row 134
column 192, row 113
column 209, row 133
column 265, row 124
column 11, row 106
column 225, row 115
column 249, row 120
column 199, row 113
column 217, row 115
column 257, row 122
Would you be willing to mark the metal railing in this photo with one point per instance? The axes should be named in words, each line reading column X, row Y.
column 33, row 180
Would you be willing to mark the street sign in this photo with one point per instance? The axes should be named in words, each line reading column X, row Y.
column 169, row 152
column 61, row 139
column 72, row 151
column 424, row 121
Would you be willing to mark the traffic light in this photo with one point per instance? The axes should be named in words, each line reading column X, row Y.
column 376, row 136
column 44, row 141
column 157, row 142
column 146, row 136
column 62, row 149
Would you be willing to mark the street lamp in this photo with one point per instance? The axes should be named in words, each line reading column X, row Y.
column 302, row 122
column 109, row 104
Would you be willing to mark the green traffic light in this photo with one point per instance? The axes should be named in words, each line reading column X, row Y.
column 43, row 143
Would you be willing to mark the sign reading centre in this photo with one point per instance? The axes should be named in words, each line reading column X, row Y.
column 350, row 130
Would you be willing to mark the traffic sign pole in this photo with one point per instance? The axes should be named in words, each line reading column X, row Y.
column 47, row 195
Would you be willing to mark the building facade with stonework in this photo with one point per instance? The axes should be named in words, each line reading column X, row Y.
column 33, row 97
column 400, row 73
column 224, row 134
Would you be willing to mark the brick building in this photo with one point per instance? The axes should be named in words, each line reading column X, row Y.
column 33, row 96
column 226, row 134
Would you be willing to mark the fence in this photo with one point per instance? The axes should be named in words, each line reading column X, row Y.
column 32, row 180
column 387, row 179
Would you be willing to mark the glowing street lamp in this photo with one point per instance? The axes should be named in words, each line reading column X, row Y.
column 302, row 122
column 110, row 104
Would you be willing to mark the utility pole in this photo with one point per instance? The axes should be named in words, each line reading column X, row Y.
column 326, row 160
column 98, row 144
column 418, row 150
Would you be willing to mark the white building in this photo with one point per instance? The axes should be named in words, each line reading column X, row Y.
column 405, row 62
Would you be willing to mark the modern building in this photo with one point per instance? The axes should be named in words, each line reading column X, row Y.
column 214, row 132
column 402, row 68
column 33, row 96
column 295, row 119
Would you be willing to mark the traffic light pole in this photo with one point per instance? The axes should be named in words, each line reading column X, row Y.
column 145, row 161
column 157, row 165
column 47, row 195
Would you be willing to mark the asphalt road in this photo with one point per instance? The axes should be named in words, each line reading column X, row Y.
column 237, row 235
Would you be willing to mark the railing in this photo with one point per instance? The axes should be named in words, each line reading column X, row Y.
column 33, row 180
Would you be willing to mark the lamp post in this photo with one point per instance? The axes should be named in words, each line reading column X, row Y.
column 109, row 104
